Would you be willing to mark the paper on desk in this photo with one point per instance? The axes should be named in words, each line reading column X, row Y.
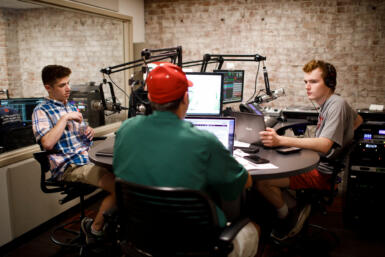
column 240, row 144
column 239, row 154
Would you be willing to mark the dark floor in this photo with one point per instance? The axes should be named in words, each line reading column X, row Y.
column 353, row 243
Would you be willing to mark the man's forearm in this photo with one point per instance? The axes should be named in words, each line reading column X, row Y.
column 321, row 145
column 50, row 139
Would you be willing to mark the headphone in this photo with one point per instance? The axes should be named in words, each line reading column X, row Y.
column 331, row 76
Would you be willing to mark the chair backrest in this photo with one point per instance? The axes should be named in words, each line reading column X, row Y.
column 45, row 186
column 165, row 221
column 326, row 197
column 338, row 160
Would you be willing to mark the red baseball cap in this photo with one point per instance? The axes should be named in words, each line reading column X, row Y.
column 166, row 83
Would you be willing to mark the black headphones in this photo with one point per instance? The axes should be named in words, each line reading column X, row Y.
column 331, row 76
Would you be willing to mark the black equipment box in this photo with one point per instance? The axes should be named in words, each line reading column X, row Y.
column 366, row 178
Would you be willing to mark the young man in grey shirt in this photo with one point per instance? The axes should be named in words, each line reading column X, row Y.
column 335, row 128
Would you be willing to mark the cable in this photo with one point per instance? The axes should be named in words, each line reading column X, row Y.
column 124, row 92
column 255, row 84
column 314, row 106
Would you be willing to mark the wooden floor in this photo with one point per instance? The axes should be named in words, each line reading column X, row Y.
column 353, row 243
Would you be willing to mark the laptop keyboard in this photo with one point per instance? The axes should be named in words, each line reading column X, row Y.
column 256, row 159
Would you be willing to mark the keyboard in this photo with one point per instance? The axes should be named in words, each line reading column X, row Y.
column 256, row 159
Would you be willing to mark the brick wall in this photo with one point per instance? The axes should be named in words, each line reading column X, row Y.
column 348, row 33
column 42, row 36
column 3, row 52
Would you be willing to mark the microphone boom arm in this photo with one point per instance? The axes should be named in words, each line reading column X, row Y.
column 174, row 53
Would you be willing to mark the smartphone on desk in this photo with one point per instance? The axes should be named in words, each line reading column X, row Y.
column 287, row 150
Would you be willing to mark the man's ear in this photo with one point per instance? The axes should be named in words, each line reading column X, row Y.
column 185, row 98
column 47, row 87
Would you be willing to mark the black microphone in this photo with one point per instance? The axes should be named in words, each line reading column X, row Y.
column 266, row 77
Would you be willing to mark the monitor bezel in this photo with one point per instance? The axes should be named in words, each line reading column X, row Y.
column 243, row 85
column 220, row 96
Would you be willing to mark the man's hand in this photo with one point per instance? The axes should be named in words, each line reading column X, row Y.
column 89, row 133
column 75, row 116
column 270, row 138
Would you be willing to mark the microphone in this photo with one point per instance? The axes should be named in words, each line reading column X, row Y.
column 110, row 106
column 266, row 77
column 268, row 98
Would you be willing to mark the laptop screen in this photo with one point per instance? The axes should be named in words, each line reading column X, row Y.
column 248, row 127
column 221, row 127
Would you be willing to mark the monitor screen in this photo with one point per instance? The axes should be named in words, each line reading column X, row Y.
column 24, row 106
column 206, row 94
column 222, row 127
column 232, row 85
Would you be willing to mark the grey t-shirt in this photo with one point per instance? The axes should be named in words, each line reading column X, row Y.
column 335, row 122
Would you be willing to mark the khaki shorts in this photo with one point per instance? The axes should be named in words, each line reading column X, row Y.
column 246, row 242
column 89, row 174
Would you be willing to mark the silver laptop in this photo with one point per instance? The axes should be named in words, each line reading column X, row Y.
column 221, row 127
column 248, row 126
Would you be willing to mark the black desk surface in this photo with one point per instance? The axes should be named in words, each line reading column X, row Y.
column 288, row 164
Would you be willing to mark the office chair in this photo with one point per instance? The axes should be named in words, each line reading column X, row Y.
column 314, row 237
column 70, row 190
column 165, row 221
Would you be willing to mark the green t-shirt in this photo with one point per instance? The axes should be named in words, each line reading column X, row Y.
column 162, row 150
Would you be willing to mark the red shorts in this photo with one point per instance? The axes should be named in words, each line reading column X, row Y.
column 311, row 179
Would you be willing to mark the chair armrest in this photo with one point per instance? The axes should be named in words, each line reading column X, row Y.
column 229, row 233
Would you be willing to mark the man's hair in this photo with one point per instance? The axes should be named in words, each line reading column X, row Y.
column 329, row 73
column 170, row 106
column 51, row 73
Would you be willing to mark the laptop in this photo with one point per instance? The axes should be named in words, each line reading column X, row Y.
column 222, row 127
column 248, row 127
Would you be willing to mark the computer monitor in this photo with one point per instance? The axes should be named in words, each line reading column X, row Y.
column 206, row 94
column 222, row 127
column 24, row 106
column 233, row 81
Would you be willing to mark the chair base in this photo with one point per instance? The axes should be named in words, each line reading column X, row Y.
column 313, row 240
column 70, row 239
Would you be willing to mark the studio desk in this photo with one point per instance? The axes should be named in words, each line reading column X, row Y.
column 288, row 164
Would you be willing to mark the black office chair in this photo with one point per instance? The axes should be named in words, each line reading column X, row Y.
column 315, row 238
column 165, row 221
column 63, row 235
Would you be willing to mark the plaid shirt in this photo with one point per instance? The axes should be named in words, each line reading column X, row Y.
column 70, row 148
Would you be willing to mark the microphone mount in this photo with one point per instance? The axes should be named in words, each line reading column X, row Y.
column 221, row 58
column 148, row 56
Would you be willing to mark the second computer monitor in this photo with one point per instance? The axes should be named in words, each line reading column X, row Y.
column 233, row 81
column 206, row 94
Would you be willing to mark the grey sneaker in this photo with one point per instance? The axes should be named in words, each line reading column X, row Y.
column 90, row 237
column 292, row 224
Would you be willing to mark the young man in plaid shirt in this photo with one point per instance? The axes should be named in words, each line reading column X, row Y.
column 56, row 126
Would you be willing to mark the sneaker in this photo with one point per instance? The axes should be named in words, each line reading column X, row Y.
column 292, row 224
column 90, row 237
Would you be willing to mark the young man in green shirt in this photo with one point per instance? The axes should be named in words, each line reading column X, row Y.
column 162, row 149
